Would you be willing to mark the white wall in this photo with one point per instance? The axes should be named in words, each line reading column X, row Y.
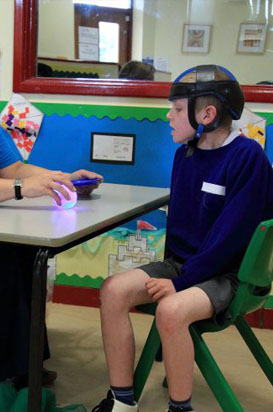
column 149, row 28
column 137, row 32
column 6, row 48
column 56, row 29
column 225, row 18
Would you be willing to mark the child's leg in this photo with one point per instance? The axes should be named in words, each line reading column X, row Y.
column 174, row 315
column 118, row 295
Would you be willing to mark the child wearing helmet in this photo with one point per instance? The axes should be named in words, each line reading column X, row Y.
column 221, row 188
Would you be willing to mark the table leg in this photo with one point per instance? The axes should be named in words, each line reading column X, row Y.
column 37, row 330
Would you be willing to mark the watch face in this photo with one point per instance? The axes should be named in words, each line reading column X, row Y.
column 17, row 182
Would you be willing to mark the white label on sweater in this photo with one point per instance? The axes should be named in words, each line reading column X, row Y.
column 212, row 188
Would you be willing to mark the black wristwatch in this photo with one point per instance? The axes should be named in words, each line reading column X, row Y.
column 17, row 183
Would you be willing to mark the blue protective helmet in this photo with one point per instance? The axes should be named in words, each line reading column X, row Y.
column 227, row 91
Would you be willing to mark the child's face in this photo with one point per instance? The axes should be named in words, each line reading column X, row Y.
column 179, row 122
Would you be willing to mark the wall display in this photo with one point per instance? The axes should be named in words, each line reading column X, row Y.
column 22, row 121
column 251, row 38
column 136, row 243
column 196, row 38
column 112, row 147
column 252, row 125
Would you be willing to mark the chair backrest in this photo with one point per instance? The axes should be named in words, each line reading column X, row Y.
column 256, row 272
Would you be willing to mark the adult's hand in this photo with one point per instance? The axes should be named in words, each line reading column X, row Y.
column 46, row 184
column 86, row 174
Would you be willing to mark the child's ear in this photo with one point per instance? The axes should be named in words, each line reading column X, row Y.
column 209, row 114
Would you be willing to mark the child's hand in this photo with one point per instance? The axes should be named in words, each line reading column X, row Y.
column 158, row 289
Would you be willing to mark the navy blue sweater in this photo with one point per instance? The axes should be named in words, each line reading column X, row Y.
column 218, row 197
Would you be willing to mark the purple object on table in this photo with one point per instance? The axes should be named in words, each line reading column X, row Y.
column 86, row 182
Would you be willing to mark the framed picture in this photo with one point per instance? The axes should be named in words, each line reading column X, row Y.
column 196, row 38
column 251, row 38
column 113, row 148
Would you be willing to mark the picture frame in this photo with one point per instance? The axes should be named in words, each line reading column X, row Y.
column 118, row 148
column 196, row 38
column 252, row 38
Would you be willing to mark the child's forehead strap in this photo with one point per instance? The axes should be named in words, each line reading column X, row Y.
column 205, row 73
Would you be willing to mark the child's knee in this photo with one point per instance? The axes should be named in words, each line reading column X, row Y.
column 112, row 291
column 167, row 318
column 108, row 289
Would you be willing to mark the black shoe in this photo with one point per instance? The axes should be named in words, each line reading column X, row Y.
column 112, row 404
column 21, row 381
column 177, row 409
column 106, row 405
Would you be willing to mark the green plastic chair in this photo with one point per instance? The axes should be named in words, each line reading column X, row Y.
column 255, row 278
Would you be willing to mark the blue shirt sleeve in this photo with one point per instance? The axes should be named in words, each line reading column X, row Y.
column 8, row 151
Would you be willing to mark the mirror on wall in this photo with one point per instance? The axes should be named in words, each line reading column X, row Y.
column 84, row 51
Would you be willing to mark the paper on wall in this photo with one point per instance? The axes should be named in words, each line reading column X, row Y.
column 22, row 121
column 251, row 125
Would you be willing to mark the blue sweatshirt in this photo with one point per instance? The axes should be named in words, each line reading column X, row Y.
column 218, row 197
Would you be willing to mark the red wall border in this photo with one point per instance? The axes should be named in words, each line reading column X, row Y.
column 76, row 295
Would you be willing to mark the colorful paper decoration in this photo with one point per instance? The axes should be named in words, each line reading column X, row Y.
column 22, row 121
column 251, row 125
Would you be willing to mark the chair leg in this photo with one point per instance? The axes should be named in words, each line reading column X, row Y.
column 159, row 356
column 165, row 383
column 213, row 375
column 255, row 347
column 146, row 360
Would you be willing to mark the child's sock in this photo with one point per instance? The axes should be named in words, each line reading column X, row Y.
column 125, row 395
column 182, row 406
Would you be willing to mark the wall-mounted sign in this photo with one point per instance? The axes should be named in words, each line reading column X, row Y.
column 112, row 147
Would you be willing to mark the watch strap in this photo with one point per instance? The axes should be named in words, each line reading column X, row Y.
column 17, row 183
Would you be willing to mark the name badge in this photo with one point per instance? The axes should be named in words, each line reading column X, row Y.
column 212, row 188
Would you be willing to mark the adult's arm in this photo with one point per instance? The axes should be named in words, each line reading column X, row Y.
column 38, row 181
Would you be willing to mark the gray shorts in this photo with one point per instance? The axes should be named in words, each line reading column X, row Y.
column 220, row 289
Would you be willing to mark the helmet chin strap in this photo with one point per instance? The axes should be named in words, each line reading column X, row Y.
column 199, row 131
column 193, row 143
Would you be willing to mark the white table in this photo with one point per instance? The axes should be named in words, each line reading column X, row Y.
column 38, row 223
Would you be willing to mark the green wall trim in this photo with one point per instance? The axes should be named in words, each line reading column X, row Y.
column 126, row 112
column 267, row 116
column 100, row 111
column 76, row 280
